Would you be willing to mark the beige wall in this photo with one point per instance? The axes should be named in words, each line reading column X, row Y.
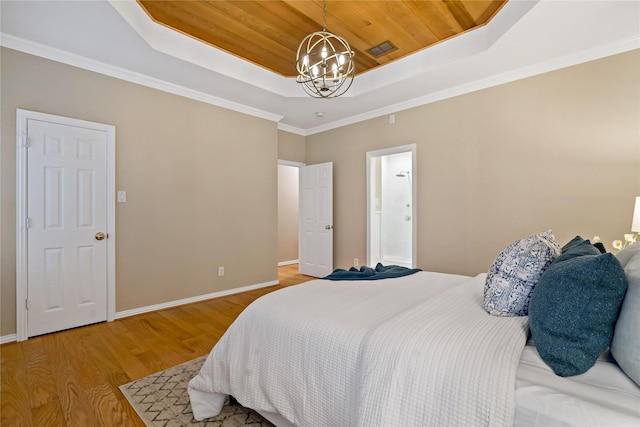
column 291, row 147
column 559, row 150
column 201, row 183
column 287, row 213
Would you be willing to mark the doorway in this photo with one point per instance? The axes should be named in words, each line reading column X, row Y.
column 311, row 243
column 391, row 208
column 288, row 195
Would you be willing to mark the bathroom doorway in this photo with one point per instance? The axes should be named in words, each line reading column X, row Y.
column 391, row 193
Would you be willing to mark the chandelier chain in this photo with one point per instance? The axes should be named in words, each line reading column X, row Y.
column 324, row 16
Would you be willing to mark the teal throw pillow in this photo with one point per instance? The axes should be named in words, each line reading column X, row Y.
column 578, row 247
column 574, row 307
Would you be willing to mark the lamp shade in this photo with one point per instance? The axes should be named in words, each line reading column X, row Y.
column 635, row 224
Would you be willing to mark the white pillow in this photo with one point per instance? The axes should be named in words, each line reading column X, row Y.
column 515, row 272
column 625, row 346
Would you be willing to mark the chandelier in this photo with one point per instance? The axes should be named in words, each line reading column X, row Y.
column 325, row 63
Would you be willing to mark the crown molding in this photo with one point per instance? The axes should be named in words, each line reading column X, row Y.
column 47, row 52
column 291, row 129
column 518, row 74
column 37, row 49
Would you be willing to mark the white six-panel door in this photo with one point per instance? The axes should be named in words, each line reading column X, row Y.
column 67, row 283
column 67, row 226
column 316, row 220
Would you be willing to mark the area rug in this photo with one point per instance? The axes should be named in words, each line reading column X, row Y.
column 161, row 400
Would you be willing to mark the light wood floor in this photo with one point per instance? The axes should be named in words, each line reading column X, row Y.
column 71, row 378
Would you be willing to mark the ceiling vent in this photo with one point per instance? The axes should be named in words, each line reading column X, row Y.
column 381, row 49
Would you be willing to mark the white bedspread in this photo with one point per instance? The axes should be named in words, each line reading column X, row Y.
column 414, row 351
column 601, row 397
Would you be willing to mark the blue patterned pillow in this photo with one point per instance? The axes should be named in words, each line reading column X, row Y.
column 515, row 272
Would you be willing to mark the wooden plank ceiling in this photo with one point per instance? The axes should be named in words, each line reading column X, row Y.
column 268, row 32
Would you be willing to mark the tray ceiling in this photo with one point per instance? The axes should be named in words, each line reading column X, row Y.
column 523, row 38
column 267, row 33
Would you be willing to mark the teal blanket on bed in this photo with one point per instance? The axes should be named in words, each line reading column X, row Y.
column 368, row 273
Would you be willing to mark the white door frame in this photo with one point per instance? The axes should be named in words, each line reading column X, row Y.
column 290, row 163
column 409, row 148
column 22, row 116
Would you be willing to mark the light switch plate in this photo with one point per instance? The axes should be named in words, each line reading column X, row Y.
column 122, row 196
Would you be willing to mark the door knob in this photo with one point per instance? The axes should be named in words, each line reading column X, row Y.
column 100, row 235
column 328, row 227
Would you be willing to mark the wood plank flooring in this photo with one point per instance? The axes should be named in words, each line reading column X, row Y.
column 71, row 378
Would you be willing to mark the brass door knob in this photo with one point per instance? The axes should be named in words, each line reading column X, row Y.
column 100, row 235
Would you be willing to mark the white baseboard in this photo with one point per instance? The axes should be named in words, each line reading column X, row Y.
column 293, row 261
column 8, row 338
column 119, row 315
column 169, row 304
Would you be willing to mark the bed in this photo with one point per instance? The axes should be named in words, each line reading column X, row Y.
column 417, row 350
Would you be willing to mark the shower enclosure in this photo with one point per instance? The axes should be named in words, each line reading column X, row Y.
column 391, row 210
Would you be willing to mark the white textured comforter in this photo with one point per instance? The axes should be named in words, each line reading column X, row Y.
column 413, row 351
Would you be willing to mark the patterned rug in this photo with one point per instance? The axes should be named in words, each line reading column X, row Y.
column 161, row 400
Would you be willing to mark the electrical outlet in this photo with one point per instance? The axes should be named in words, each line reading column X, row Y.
column 220, row 271
column 355, row 262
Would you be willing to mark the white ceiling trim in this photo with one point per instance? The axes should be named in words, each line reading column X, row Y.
column 462, row 46
column 292, row 129
column 522, row 73
column 37, row 49
column 178, row 45
column 43, row 51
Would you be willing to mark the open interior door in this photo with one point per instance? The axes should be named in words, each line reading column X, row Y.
column 316, row 220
